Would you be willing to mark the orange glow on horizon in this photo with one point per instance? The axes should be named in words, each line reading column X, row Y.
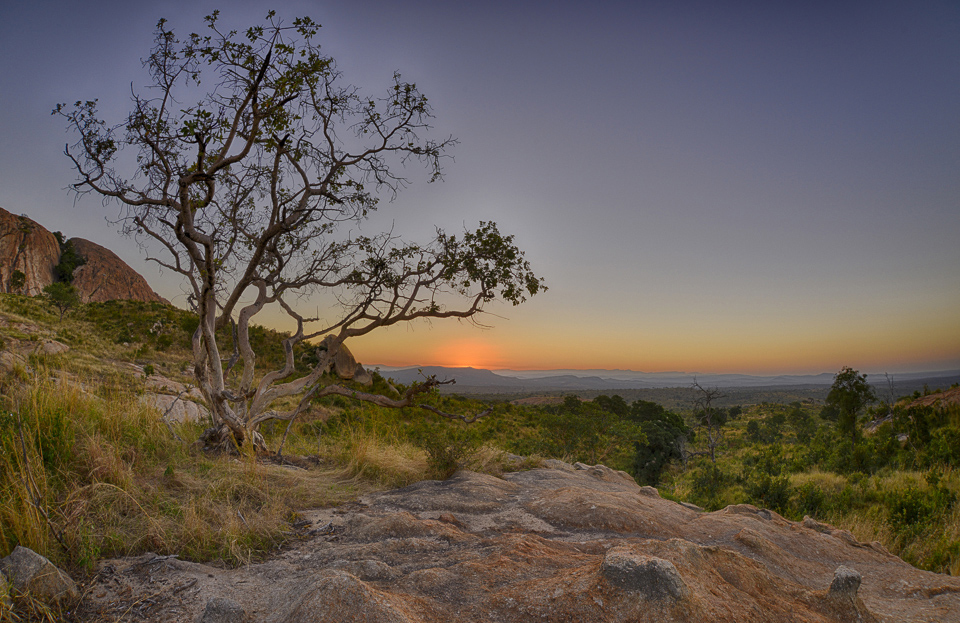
column 762, row 352
column 466, row 353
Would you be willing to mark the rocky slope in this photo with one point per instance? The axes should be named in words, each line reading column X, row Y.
column 105, row 277
column 26, row 246
column 559, row 544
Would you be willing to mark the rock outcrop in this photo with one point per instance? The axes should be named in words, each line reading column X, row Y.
column 176, row 402
column 105, row 277
column 345, row 365
column 29, row 572
column 542, row 545
column 26, row 247
column 221, row 610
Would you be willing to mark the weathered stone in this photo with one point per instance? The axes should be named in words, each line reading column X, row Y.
column 366, row 570
column 157, row 383
column 542, row 545
column 652, row 578
column 339, row 596
column 363, row 376
column 222, row 610
column 10, row 361
column 513, row 459
column 105, row 277
column 30, row 572
column 51, row 347
column 557, row 464
column 176, row 410
column 846, row 582
column 345, row 365
column 27, row 247
column 649, row 491
column 813, row 524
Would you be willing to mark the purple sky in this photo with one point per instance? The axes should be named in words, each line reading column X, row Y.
column 742, row 187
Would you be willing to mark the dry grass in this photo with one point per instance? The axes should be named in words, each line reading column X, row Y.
column 99, row 475
column 829, row 482
column 382, row 460
column 487, row 460
column 103, row 477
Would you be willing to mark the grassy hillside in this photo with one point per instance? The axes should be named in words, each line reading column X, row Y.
column 87, row 471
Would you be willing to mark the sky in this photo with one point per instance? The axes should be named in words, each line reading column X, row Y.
column 751, row 187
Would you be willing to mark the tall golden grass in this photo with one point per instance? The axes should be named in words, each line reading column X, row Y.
column 84, row 477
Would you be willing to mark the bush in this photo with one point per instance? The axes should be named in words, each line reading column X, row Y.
column 944, row 448
column 662, row 443
column 70, row 260
column 707, row 484
column 17, row 280
column 449, row 450
column 770, row 491
column 909, row 508
column 810, row 500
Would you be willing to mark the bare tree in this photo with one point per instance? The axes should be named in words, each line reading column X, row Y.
column 248, row 191
column 709, row 419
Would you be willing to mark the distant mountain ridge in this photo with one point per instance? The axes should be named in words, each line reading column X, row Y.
column 544, row 380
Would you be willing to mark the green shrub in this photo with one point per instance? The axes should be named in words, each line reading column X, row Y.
column 707, row 484
column 70, row 260
column 17, row 280
column 810, row 500
column 910, row 508
column 943, row 449
column 449, row 449
column 770, row 491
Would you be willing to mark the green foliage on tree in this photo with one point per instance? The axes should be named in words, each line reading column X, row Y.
column 62, row 296
column 70, row 260
column 802, row 422
column 665, row 437
column 255, row 166
column 848, row 398
column 17, row 281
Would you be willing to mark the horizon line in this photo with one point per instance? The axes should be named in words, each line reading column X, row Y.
column 939, row 371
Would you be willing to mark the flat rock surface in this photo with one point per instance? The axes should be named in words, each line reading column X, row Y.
column 545, row 544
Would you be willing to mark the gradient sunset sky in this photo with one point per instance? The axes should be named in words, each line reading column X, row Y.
column 754, row 187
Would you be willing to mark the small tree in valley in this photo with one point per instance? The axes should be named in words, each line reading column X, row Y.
column 848, row 398
column 249, row 190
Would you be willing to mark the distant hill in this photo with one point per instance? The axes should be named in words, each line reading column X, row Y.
column 474, row 380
